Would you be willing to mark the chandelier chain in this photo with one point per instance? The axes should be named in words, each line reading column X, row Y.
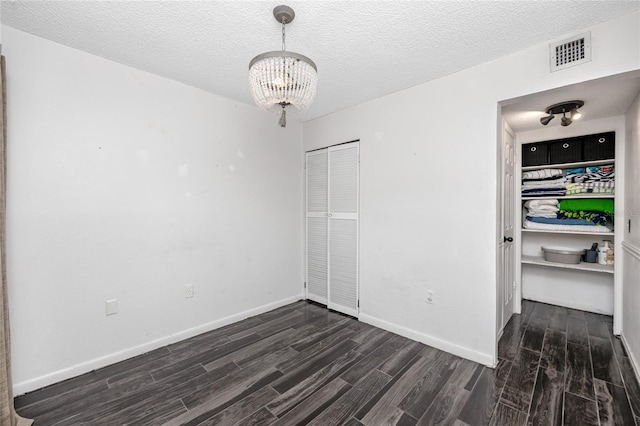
column 283, row 37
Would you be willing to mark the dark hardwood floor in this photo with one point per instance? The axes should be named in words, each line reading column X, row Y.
column 302, row 364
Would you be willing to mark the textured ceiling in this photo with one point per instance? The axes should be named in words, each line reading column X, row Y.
column 363, row 49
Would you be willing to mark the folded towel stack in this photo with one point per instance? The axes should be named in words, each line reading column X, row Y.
column 542, row 208
column 592, row 215
column 543, row 183
column 558, row 182
column 591, row 180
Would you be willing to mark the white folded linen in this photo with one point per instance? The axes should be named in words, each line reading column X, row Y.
column 542, row 174
column 542, row 213
column 548, row 183
column 545, row 208
column 527, row 224
column 532, row 204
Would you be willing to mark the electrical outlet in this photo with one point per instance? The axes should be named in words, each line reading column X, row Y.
column 188, row 291
column 430, row 296
column 111, row 306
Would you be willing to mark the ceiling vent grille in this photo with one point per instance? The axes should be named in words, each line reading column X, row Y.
column 572, row 51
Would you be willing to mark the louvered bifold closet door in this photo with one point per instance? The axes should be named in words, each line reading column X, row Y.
column 343, row 228
column 317, row 225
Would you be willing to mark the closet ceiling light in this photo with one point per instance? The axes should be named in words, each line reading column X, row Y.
column 563, row 108
column 283, row 81
column 575, row 114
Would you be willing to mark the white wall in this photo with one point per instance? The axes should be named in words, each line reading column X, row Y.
column 126, row 185
column 579, row 290
column 428, row 189
column 631, row 244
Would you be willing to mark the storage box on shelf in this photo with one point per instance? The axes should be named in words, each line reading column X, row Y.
column 565, row 151
column 588, row 148
column 535, row 154
column 598, row 147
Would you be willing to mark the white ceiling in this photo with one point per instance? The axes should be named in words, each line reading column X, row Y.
column 363, row 49
column 606, row 97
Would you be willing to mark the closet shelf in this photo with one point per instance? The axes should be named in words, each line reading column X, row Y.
column 569, row 165
column 569, row 197
column 544, row 231
column 591, row 267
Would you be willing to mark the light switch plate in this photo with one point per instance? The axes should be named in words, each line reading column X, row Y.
column 111, row 306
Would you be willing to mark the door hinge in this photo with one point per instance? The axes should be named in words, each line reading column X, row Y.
column 305, row 284
column 358, row 303
column 514, row 285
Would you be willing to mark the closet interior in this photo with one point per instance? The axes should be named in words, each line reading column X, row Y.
column 566, row 209
column 569, row 192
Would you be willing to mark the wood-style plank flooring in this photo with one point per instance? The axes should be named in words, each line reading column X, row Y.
column 305, row 365
column 565, row 367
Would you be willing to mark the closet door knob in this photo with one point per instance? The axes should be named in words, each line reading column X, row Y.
column 508, row 239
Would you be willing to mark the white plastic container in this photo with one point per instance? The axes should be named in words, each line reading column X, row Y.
column 562, row 254
column 610, row 257
column 602, row 252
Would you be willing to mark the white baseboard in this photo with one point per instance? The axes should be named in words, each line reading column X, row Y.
column 566, row 304
column 461, row 351
column 634, row 363
column 103, row 361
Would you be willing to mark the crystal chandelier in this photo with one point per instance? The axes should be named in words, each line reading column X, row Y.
column 280, row 80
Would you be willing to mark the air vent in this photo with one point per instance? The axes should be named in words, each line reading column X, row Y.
column 572, row 51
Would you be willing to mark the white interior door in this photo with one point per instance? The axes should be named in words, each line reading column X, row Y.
column 343, row 228
column 332, row 227
column 506, row 279
column 317, row 225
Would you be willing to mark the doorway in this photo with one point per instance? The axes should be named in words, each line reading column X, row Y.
column 606, row 103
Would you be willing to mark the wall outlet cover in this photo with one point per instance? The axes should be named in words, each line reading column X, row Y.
column 430, row 296
column 188, row 291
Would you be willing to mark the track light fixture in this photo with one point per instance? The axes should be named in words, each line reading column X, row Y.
column 564, row 108
column 547, row 119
